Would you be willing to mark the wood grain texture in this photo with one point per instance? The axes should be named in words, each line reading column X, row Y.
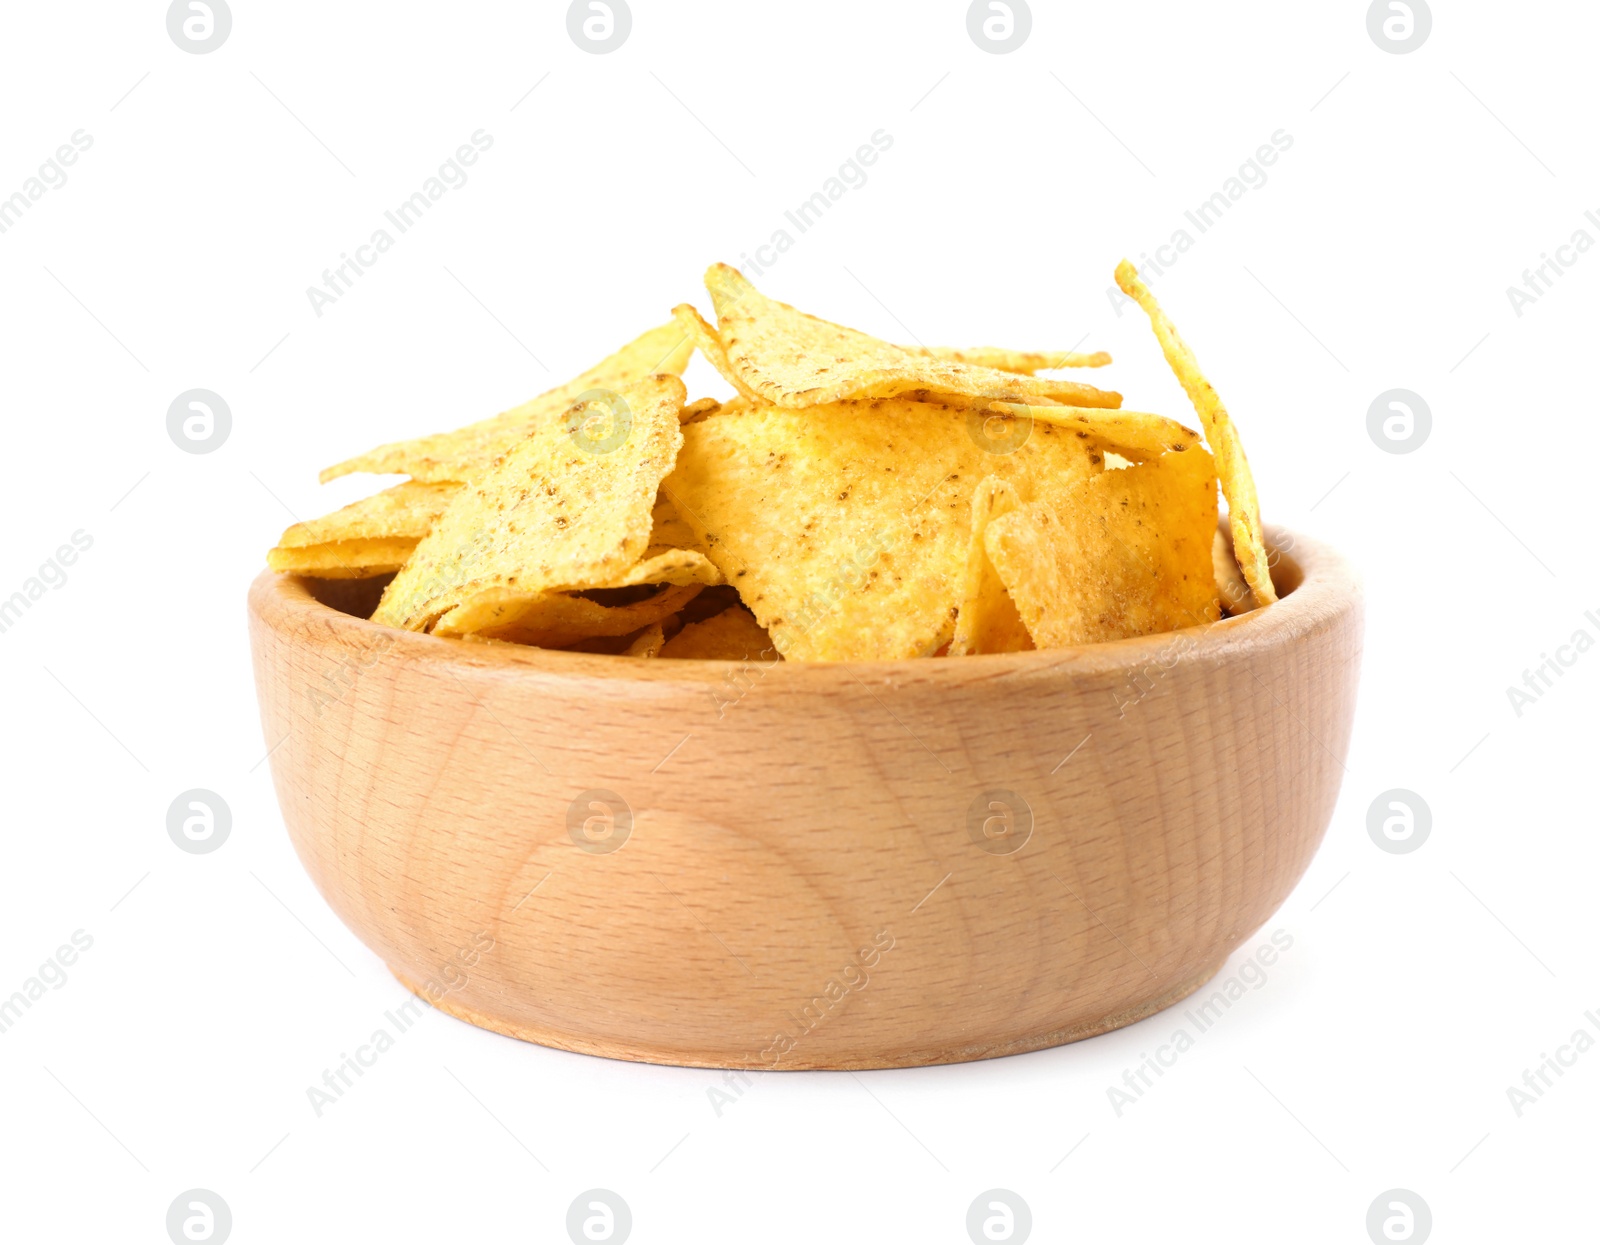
column 810, row 878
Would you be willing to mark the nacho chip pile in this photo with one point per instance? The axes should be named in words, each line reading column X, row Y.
column 853, row 500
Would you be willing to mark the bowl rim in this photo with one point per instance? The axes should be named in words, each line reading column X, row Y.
column 1316, row 585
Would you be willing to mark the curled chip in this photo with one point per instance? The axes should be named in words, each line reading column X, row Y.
column 988, row 621
column 1238, row 485
column 796, row 360
column 466, row 453
column 569, row 507
column 1131, row 557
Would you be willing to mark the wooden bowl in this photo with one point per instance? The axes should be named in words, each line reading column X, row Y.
column 851, row 865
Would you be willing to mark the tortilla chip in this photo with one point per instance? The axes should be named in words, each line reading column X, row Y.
column 665, row 566
column 1142, row 435
column 710, row 346
column 344, row 559
column 845, row 527
column 365, row 539
column 667, row 528
column 1238, row 485
column 988, row 621
column 1235, row 593
column 796, row 360
column 699, row 409
column 407, row 509
column 568, row 507
column 555, row 620
column 1026, row 362
column 647, row 643
column 1132, row 557
column 733, row 635
column 466, row 453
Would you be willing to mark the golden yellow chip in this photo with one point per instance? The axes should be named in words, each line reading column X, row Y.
column 407, row 509
column 497, row 606
column 568, row 507
column 466, row 453
column 699, row 409
column 845, row 527
column 667, row 528
column 988, row 621
column 1235, row 593
column 344, row 559
column 370, row 537
column 1144, row 436
column 647, row 643
column 1238, row 485
column 796, row 360
column 732, row 635
column 1025, row 361
column 710, row 347
column 663, row 566
column 1131, row 557
column 555, row 619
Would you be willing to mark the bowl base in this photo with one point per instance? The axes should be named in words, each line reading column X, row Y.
column 584, row 1044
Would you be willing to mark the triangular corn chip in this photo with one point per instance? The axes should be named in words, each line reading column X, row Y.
column 845, row 527
column 1131, row 557
column 568, row 507
column 988, row 621
column 1238, row 485
column 796, row 360
column 466, row 453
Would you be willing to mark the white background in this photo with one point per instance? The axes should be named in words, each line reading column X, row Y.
column 1376, row 256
